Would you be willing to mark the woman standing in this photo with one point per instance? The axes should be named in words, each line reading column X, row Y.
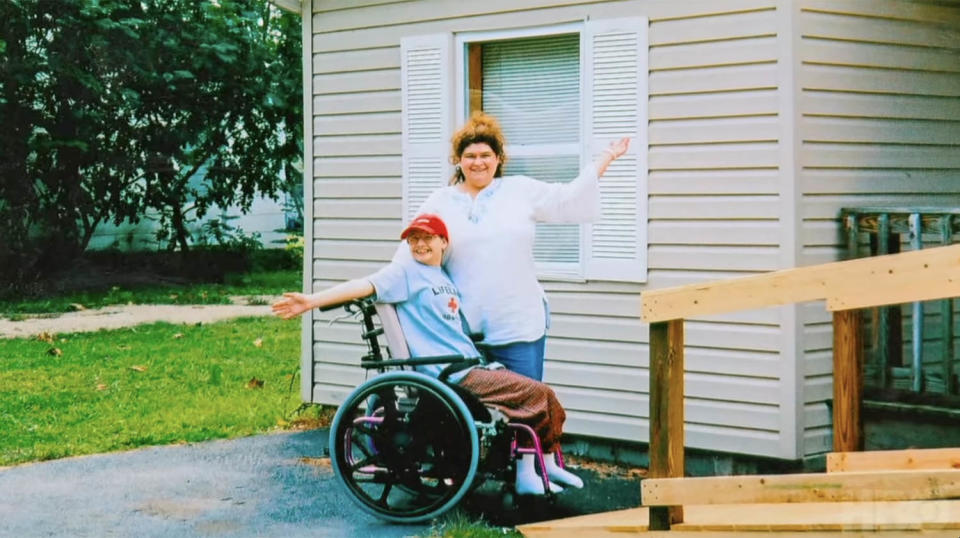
column 492, row 220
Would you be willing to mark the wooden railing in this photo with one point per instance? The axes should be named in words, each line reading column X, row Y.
column 846, row 286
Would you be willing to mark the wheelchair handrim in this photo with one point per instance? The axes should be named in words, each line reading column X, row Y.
column 343, row 445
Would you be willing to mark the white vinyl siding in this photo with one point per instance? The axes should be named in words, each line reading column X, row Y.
column 879, row 94
column 713, row 208
column 714, row 213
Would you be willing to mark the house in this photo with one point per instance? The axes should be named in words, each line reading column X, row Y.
column 266, row 219
column 754, row 122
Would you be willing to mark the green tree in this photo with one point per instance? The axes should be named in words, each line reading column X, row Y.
column 111, row 108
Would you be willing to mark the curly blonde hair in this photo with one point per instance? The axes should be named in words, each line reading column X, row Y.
column 481, row 128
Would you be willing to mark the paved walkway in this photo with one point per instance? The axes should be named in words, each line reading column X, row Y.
column 267, row 485
column 115, row 317
column 277, row 485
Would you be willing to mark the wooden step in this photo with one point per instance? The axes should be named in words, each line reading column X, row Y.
column 845, row 516
column 803, row 488
column 809, row 520
column 926, row 458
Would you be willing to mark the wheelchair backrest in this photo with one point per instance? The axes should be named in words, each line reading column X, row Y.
column 392, row 331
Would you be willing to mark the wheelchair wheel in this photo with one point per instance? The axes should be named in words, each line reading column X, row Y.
column 412, row 457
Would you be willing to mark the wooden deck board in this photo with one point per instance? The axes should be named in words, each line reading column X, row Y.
column 847, row 516
column 803, row 488
column 809, row 520
column 875, row 460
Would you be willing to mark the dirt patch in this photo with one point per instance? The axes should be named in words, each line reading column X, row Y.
column 323, row 463
column 606, row 470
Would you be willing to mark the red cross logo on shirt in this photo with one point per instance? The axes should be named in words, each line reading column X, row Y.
column 452, row 305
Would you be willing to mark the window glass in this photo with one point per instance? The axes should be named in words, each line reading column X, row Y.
column 532, row 85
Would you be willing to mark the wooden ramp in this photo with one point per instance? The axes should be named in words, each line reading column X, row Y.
column 888, row 493
column 896, row 493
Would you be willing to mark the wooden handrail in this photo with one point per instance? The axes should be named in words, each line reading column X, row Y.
column 846, row 286
column 876, row 281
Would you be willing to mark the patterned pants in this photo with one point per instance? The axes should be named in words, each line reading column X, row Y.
column 522, row 400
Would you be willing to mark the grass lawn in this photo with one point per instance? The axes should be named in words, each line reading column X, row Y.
column 85, row 393
column 457, row 524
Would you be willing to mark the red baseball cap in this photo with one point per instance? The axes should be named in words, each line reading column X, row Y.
column 426, row 222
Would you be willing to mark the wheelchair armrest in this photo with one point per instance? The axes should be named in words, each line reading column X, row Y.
column 419, row 361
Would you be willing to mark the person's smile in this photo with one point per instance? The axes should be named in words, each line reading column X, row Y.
column 426, row 248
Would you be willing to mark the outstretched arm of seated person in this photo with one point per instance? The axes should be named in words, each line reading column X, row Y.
column 293, row 304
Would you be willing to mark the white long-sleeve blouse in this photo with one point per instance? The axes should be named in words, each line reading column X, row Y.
column 490, row 256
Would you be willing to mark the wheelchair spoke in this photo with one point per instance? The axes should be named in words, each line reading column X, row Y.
column 382, row 501
column 375, row 478
column 362, row 443
column 388, row 400
column 369, row 460
column 363, row 428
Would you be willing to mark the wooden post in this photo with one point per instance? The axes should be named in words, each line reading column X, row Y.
column 847, row 381
column 666, row 413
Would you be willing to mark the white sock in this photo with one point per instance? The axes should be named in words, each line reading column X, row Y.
column 528, row 481
column 561, row 475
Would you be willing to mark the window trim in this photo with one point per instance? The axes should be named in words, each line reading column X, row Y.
column 566, row 272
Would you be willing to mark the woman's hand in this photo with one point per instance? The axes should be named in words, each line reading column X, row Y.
column 292, row 305
column 617, row 148
column 611, row 153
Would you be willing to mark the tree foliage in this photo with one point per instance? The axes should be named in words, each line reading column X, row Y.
column 114, row 109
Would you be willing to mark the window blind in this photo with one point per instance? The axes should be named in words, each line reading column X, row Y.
column 532, row 86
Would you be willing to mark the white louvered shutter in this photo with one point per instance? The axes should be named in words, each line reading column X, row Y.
column 615, row 76
column 426, row 73
column 532, row 85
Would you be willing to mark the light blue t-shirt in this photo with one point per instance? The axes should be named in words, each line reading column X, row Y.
column 428, row 307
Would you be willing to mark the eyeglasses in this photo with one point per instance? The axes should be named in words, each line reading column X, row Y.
column 416, row 238
column 478, row 156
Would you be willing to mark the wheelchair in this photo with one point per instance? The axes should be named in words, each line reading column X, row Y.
column 406, row 446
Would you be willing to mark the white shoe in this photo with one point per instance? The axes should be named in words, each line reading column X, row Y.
column 560, row 475
column 527, row 485
column 528, row 481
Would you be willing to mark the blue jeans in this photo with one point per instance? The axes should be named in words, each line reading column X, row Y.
column 525, row 358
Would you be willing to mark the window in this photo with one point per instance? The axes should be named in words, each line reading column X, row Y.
column 561, row 94
column 532, row 85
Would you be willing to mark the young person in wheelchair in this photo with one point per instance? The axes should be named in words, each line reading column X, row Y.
column 428, row 307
